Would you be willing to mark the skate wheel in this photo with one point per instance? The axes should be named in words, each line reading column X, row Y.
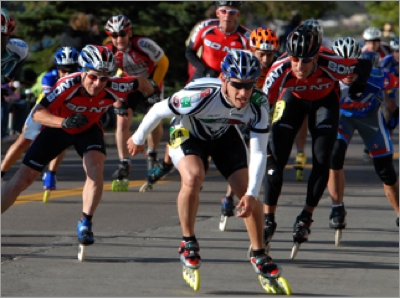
column 299, row 175
column 120, row 185
column 250, row 252
column 223, row 222
column 295, row 249
column 46, row 196
column 196, row 280
column 283, row 286
column 81, row 252
column 114, row 185
column 338, row 236
column 145, row 187
column 264, row 283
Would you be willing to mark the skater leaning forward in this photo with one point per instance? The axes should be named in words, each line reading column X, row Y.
column 206, row 111
column 305, row 82
column 71, row 114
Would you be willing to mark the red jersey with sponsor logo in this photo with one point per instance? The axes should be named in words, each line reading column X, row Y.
column 68, row 97
column 329, row 68
column 216, row 43
column 140, row 58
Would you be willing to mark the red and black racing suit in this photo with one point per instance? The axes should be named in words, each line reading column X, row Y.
column 318, row 96
column 68, row 97
column 216, row 45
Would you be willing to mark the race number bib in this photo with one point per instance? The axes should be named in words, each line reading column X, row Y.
column 178, row 136
column 278, row 112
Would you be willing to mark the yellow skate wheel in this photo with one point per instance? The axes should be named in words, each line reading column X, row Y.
column 184, row 275
column 284, row 286
column 115, row 185
column 299, row 175
column 46, row 196
column 196, row 280
column 264, row 283
column 125, row 185
column 338, row 236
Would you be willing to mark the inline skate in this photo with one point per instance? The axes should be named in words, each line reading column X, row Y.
column 269, row 275
column 160, row 171
column 227, row 210
column 85, row 237
column 299, row 165
column 49, row 184
column 121, row 182
column 337, row 221
column 190, row 258
column 269, row 231
column 301, row 230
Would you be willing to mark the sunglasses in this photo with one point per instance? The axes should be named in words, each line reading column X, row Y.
column 94, row 77
column 67, row 70
column 239, row 86
column 230, row 12
column 120, row 33
column 304, row 60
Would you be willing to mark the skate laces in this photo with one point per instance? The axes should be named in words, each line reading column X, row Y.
column 303, row 223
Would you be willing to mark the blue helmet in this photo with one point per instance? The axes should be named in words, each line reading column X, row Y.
column 241, row 64
column 372, row 56
column 66, row 56
column 394, row 44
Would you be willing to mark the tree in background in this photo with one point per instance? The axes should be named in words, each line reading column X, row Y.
column 383, row 12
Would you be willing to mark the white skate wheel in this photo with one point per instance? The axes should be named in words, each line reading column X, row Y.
column 223, row 222
column 81, row 252
column 295, row 249
column 250, row 252
column 338, row 236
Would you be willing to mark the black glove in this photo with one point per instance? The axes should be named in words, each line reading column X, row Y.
column 122, row 110
column 357, row 89
column 75, row 120
column 155, row 97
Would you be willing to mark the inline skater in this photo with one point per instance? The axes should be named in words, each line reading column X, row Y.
column 206, row 114
column 364, row 115
column 14, row 51
column 305, row 83
column 216, row 37
column 137, row 56
column 372, row 39
column 66, row 62
column 70, row 114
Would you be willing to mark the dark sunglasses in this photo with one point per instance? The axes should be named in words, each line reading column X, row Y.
column 304, row 60
column 230, row 12
column 67, row 70
column 238, row 85
column 120, row 33
column 94, row 77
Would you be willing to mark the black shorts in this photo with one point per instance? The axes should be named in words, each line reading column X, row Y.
column 52, row 141
column 138, row 103
column 229, row 152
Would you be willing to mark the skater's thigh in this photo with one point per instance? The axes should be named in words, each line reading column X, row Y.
column 47, row 145
column 91, row 139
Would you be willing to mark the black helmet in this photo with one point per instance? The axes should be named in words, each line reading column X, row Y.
column 236, row 4
column 303, row 42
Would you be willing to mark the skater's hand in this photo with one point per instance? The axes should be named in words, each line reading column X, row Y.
column 120, row 108
column 246, row 206
column 75, row 120
column 133, row 148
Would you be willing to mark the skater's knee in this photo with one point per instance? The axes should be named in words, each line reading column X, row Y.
column 122, row 123
column 338, row 155
column 385, row 169
column 274, row 175
column 193, row 180
column 25, row 176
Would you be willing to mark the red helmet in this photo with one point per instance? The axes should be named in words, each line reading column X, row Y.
column 117, row 24
column 7, row 22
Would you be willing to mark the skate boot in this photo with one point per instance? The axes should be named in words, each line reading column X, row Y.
column 160, row 171
column 269, row 275
column 49, row 183
column 190, row 258
column 85, row 237
column 301, row 230
column 299, row 165
column 269, row 230
column 227, row 210
column 121, row 182
column 337, row 221
column 151, row 160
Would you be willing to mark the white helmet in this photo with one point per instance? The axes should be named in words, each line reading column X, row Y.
column 372, row 33
column 98, row 58
column 347, row 47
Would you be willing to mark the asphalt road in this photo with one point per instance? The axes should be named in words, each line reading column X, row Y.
column 137, row 236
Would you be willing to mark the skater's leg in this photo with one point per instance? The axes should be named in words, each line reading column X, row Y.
column 14, row 153
column 122, row 134
column 55, row 163
column 93, row 164
column 21, row 180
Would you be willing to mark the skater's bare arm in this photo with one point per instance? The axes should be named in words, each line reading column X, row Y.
column 246, row 206
column 43, row 116
column 133, row 148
